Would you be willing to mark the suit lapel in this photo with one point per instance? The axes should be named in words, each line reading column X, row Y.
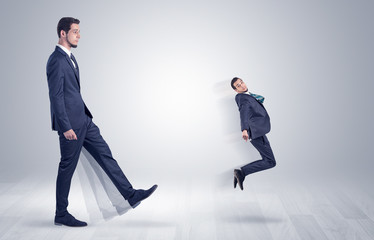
column 76, row 71
column 72, row 67
column 254, row 99
column 257, row 101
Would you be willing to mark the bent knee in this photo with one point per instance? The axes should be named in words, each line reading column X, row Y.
column 272, row 163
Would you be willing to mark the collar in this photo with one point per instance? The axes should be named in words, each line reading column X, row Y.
column 64, row 49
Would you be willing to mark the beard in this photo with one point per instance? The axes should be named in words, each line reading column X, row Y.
column 70, row 44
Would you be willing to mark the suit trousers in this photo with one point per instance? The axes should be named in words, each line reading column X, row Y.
column 268, row 161
column 88, row 136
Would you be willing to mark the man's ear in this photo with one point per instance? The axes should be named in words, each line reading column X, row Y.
column 63, row 33
column 236, row 90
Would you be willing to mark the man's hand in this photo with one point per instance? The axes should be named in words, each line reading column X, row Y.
column 70, row 135
column 245, row 135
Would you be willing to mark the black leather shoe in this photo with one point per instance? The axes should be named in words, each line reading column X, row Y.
column 239, row 177
column 140, row 195
column 69, row 220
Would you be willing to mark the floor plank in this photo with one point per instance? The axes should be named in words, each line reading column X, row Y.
column 307, row 227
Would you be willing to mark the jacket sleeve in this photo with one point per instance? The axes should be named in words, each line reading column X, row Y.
column 55, row 77
column 245, row 112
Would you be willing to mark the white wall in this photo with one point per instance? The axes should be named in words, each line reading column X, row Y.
column 156, row 76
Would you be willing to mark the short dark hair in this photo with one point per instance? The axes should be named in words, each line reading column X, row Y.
column 65, row 24
column 233, row 81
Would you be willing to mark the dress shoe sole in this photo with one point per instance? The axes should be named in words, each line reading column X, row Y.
column 136, row 204
column 61, row 224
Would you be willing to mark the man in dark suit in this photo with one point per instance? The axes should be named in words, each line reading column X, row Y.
column 255, row 124
column 73, row 122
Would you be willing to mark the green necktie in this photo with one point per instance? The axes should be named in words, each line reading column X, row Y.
column 258, row 97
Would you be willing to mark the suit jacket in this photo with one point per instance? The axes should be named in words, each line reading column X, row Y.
column 68, row 110
column 253, row 115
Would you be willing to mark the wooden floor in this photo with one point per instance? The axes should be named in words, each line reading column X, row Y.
column 262, row 211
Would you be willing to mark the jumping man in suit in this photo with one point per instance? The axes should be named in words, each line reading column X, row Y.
column 255, row 123
column 73, row 122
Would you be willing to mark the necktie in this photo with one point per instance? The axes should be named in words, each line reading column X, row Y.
column 75, row 67
column 258, row 97
column 74, row 61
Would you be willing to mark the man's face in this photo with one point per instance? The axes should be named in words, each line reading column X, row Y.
column 240, row 86
column 73, row 35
